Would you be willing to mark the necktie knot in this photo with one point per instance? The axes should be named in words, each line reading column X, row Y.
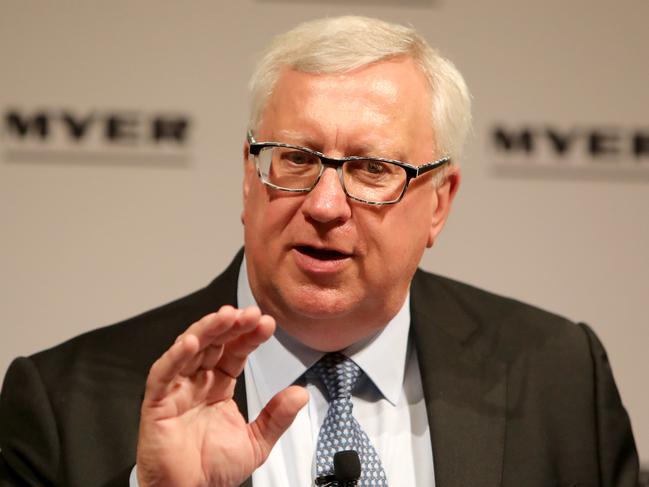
column 338, row 373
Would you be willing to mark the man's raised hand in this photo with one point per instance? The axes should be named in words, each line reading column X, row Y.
column 191, row 431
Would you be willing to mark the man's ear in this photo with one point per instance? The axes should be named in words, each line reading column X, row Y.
column 445, row 193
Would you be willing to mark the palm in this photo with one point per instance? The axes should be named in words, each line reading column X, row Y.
column 192, row 433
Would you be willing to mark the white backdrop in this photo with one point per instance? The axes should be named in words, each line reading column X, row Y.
column 89, row 241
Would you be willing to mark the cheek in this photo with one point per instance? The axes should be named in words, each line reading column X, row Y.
column 267, row 215
column 396, row 239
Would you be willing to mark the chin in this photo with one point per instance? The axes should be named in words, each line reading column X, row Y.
column 325, row 335
column 317, row 303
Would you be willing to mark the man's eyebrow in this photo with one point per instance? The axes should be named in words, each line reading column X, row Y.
column 292, row 137
column 379, row 149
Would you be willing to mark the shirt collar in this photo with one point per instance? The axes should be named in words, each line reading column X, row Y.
column 288, row 359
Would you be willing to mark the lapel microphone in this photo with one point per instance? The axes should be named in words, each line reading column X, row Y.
column 347, row 470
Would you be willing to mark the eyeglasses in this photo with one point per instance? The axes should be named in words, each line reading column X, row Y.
column 370, row 180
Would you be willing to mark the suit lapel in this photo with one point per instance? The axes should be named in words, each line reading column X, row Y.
column 464, row 388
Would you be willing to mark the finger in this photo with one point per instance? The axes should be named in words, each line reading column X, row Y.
column 212, row 355
column 215, row 329
column 168, row 366
column 211, row 326
column 223, row 326
column 236, row 352
column 195, row 364
column 275, row 419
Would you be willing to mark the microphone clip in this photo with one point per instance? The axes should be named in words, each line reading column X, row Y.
column 347, row 471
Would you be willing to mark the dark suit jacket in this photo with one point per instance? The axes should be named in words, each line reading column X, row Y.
column 516, row 396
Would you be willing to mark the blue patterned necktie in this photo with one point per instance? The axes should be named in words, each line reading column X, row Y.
column 340, row 430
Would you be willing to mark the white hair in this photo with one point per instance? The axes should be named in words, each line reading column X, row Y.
column 342, row 44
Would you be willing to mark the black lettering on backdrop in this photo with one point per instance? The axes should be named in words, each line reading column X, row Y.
column 115, row 127
column 561, row 142
column 169, row 129
column 23, row 125
column 62, row 133
column 510, row 141
column 641, row 144
column 594, row 143
column 77, row 126
column 122, row 128
column 603, row 144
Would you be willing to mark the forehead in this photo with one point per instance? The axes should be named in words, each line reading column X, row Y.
column 382, row 104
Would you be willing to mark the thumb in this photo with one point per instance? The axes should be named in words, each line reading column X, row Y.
column 275, row 419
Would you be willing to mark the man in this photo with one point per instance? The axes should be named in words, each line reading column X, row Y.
column 350, row 172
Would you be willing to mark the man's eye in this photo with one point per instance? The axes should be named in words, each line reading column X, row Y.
column 375, row 167
column 299, row 158
column 368, row 167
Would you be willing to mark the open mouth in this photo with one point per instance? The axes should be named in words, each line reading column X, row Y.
column 321, row 254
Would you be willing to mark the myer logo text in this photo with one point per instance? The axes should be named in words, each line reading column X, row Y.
column 572, row 145
column 94, row 132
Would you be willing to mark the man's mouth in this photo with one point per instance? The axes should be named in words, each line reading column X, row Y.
column 321, row 254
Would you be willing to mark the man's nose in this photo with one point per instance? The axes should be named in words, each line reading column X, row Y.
column 327, row 202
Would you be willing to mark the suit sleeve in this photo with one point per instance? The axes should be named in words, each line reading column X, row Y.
column 618, row 458
column 28, row 434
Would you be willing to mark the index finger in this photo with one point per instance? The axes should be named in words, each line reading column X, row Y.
column 223, row 326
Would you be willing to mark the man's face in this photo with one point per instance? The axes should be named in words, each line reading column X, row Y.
column 333, row 271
